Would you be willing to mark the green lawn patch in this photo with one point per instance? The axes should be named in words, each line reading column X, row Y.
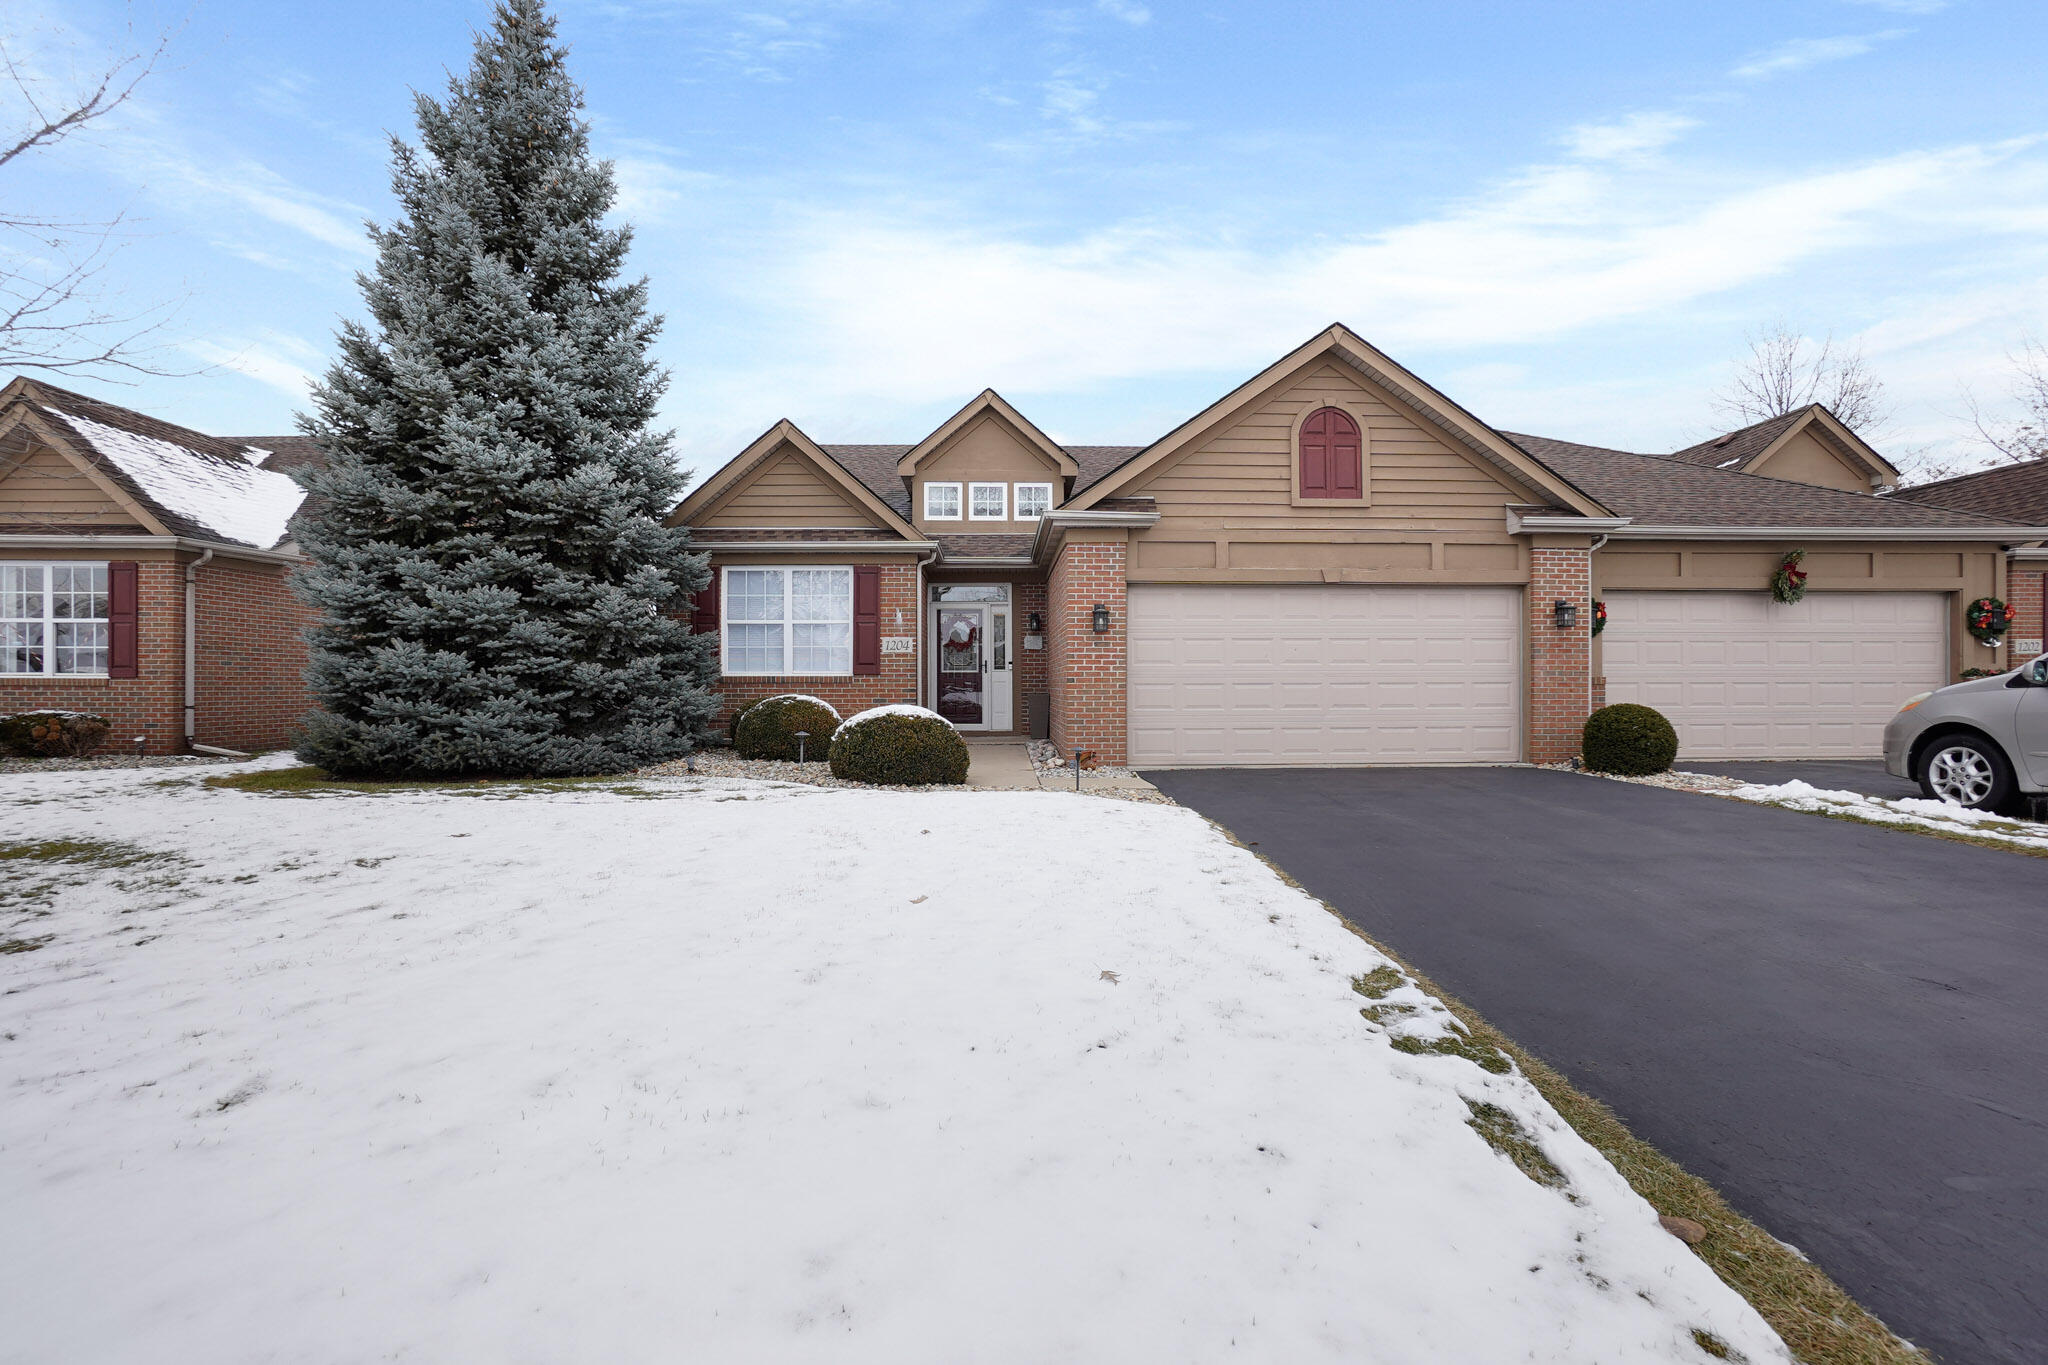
column 311, row 781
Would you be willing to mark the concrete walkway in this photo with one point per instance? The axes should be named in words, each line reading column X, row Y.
column 1005, row 765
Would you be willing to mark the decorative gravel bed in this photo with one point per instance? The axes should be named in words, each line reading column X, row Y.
column 101, row 762
column 1050, row 760
column 1676, row 779
column 725, row 763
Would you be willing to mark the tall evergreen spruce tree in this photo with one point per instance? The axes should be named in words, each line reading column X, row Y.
column 488, row 554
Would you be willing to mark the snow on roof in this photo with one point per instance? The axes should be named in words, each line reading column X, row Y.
column 237, row 501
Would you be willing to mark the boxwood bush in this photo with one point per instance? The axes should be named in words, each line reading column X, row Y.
column 767, row 729
column 53, row 734
column 899, row 746
column 1628, row 740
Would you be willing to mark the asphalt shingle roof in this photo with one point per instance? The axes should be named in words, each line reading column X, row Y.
column 1735, row 449
column 2016, row 493
column 1657, row 490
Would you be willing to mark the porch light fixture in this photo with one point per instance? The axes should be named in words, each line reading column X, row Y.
column 1564, row 613
column 1036, row 625
column 1101, row 619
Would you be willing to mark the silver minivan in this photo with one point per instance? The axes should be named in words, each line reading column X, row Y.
column 1982, row 744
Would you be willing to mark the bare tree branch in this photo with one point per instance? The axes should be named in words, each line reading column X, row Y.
column 55, row 313
column 1785, row 371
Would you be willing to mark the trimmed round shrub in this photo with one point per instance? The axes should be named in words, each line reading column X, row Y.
column 1628, row 740
column 899, row 746
column 732, row 724
column 53, row 734
column 767, row 729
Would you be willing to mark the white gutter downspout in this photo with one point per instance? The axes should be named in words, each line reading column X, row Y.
column 192, row 662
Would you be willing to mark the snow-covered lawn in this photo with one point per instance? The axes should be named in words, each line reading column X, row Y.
column 1909, row 812
column 729, row 1072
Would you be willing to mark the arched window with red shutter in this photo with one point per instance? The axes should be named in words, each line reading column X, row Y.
column 1331, row 455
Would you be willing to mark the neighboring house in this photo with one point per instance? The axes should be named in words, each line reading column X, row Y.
column 1335, row 563
column 2010, row 492
column 143, row 573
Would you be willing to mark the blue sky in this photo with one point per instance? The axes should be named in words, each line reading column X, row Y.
column 857, row 214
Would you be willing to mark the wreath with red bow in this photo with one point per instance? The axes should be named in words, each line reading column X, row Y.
column 1987, row 618
column 1599, row 616
column 1788, row 584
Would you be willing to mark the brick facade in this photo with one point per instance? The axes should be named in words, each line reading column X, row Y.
column 897, row 682
column 251, row 687
column 1560, row 661
column 1087, row 671
column 251, row 630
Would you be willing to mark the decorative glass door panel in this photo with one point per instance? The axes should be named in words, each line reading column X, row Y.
column 961, row 682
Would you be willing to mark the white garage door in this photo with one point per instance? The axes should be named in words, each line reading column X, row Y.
column 1742, row 676
column 1324, row 674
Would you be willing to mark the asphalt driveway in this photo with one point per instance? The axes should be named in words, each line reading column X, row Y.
column 1843, row 1028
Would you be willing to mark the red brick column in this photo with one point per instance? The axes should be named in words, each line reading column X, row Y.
column 251, row 629
column 1560, row 661
column 1086, row 669
column 2028, row 587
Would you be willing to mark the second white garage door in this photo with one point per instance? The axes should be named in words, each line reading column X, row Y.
column 1322, row 674
column 1742, row 676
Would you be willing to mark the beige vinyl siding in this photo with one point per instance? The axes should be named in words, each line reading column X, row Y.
column 1227, row 508
column 44, row 486
column 787, row 491
column 1805, row 458
column 986, row 450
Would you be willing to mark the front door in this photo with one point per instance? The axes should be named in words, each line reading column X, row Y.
column 962, row 664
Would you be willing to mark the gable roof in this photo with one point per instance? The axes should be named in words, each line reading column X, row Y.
column 988, row 400
column 1748, row 447
column 181, row 482
column 785, row 435
column 2011, row 492
column 1460, row 428
column 1656, row 490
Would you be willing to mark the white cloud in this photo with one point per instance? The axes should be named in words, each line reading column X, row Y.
column 1126, row 10
column 276, row 359
column 1800, row 53
column 1635, row 135
column 893, row 306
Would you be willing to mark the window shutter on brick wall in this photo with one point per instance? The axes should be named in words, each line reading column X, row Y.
column 124, row 602
column 704, row 607
column 1331, row 456
column 867, row 619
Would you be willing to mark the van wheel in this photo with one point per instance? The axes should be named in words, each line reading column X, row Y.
column 1968, row 772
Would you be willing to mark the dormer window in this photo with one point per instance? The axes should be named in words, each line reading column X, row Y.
column 942, row 502
column 1331, row 456
column 988, row 502
column 1034, row 500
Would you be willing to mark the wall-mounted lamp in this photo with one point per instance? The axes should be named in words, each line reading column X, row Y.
column 1101, row 619
column 1037, row 625
column 1564, row 614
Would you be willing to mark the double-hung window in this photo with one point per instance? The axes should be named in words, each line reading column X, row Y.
column 53, row 618
column 988, row 502
column 1034, row 500
column 942, row 502
column 789, row 621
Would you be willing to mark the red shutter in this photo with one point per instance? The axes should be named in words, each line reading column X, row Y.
column 704, row 607
column 867, row 619
column 124, row 602
column 1332, row 456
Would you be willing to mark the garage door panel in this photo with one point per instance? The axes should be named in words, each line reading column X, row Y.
column 1741, row 676
column 1325, row 674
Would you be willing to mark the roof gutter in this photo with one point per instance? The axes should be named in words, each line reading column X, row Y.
column 1521, row 524
column 2005, row 534
column 1081, row 520
column 928, row 547
column 95, row 542
column 2028, row 552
